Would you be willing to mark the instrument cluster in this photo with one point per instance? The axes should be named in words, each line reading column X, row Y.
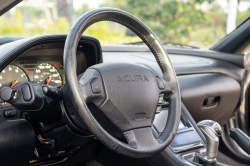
column 49, row 73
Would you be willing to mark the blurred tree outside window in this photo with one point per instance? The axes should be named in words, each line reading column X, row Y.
column 199, row 23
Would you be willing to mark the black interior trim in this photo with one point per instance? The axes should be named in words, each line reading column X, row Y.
column 234, row 40
column 7, row 5
column 12, row 50
column 196, row 88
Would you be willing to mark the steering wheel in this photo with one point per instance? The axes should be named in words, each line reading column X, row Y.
column 127, row 94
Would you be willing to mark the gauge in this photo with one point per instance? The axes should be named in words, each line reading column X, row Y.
column 11, row 76
column 47, row 74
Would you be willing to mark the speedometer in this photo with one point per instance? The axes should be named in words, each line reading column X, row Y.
column 11, row 76
column 47, row 74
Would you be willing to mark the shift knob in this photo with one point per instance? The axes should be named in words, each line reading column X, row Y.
column 211, row 130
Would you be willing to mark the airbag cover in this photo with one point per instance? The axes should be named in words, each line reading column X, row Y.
column 132, row 94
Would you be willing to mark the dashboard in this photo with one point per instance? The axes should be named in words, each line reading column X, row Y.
column 40, row 59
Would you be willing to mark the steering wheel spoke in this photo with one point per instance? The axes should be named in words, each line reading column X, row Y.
column 167, row 87
column 141, row 139
column 91, row 86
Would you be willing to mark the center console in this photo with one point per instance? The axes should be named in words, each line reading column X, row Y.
column 189, row 146
column 186, row 137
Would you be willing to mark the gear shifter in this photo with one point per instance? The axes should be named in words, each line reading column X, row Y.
column 211, row 130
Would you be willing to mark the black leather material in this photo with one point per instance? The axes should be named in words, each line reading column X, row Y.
column 241, row 139
column 169, row 78
column 17, row 143
column 203, row 161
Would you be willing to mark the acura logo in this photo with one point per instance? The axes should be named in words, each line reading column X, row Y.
column 133, row 78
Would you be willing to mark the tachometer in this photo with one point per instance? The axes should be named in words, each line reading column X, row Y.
column 11, row 76
column 45, row 73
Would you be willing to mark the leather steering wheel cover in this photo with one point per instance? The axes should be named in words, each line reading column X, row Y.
column 169, row 77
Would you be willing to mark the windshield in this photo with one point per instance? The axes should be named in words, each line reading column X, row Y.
column 177, row 23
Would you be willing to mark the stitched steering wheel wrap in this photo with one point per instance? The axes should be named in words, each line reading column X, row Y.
column 135, row 83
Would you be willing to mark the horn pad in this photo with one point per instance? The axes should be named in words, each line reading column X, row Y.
column 132, row 94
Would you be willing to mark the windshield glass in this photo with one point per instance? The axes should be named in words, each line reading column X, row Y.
column 177, row 23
